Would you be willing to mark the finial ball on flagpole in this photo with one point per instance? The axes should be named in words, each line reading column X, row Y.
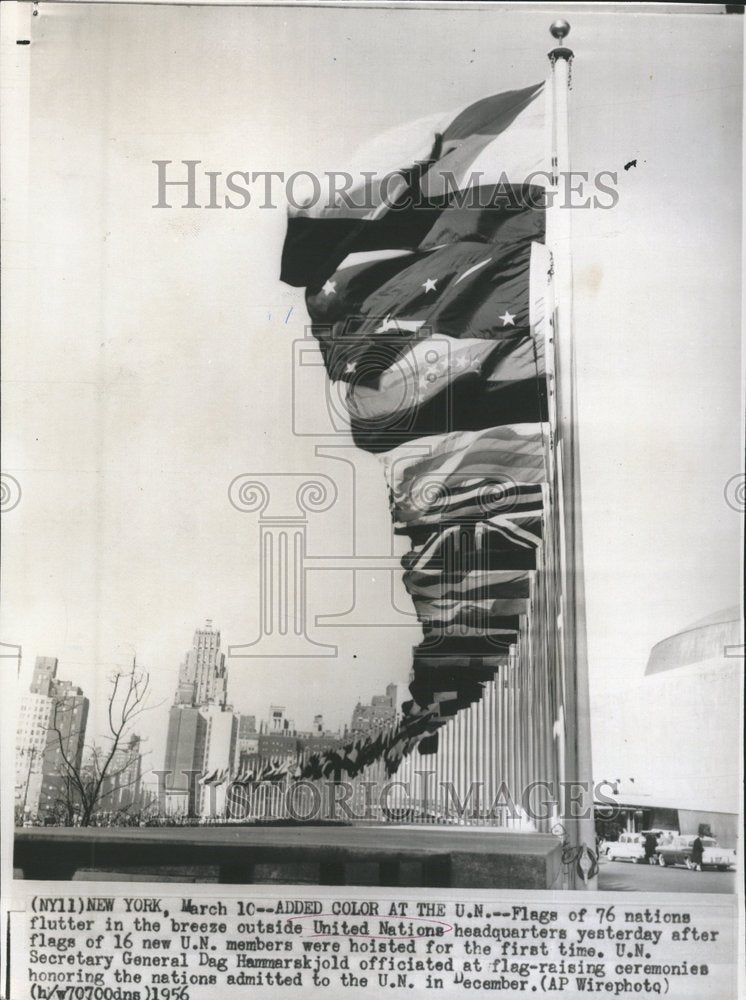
column 559, row 29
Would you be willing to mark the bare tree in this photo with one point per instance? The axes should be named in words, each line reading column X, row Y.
column 84, row 782
column 65, row 805
column 120, row 792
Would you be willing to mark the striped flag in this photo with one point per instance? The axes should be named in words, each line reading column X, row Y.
column 502, row 585
column 428, row 291
column 466, row 475
column 509, row 542
column 244, row 777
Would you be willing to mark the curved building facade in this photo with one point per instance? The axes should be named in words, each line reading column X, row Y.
column 681, row 726
column 712, row 638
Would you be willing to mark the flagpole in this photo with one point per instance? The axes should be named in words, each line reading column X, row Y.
column 578, row 767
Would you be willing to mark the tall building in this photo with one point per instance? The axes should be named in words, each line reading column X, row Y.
column 185, row 744
column 219, row 746
column 278, row 738
column 51, row 729
column 382, row 711
column 278, row 722
column 202, row 728
column 121, row 792
column 247, row 742
column 45, row 671
column 65, row 740
column 31, row 735
column 203, row 677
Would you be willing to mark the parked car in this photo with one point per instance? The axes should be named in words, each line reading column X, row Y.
column 629, row 847
column 679, row 851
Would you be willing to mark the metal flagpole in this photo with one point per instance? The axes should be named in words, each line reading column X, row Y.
column 580, row 828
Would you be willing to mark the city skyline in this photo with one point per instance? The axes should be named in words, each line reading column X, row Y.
column 200, row 707
column 153, row 747
column 124, row 505
column 305, row 720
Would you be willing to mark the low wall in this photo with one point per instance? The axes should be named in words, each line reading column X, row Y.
column 350, row 855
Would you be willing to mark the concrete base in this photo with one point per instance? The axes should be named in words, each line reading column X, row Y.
column 535, row 864
column 329, row 855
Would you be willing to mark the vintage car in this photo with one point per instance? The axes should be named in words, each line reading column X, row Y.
column 629, row 847
column 679, row 852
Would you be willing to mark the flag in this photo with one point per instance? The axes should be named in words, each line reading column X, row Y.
column 394, row 753
column 506, row 543
column 474, row 614
column 408, row 201
column 312, row 769
column 244, row 777
column 273, row 770
column 441, row 383
column 451, row 679
column 428, row 288
column 438, row 584
column 466, row 475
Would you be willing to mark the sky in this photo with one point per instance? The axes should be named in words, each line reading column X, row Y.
column 149, row 356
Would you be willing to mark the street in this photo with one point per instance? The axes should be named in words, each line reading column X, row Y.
column 623, row 875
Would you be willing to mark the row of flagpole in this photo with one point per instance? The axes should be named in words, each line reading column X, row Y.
column 487, row 754
column 532, row 722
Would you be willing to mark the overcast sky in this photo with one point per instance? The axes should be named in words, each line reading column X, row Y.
column 153, row 360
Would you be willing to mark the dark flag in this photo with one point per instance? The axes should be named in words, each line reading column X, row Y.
column 492, row 151
column 428, row 290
